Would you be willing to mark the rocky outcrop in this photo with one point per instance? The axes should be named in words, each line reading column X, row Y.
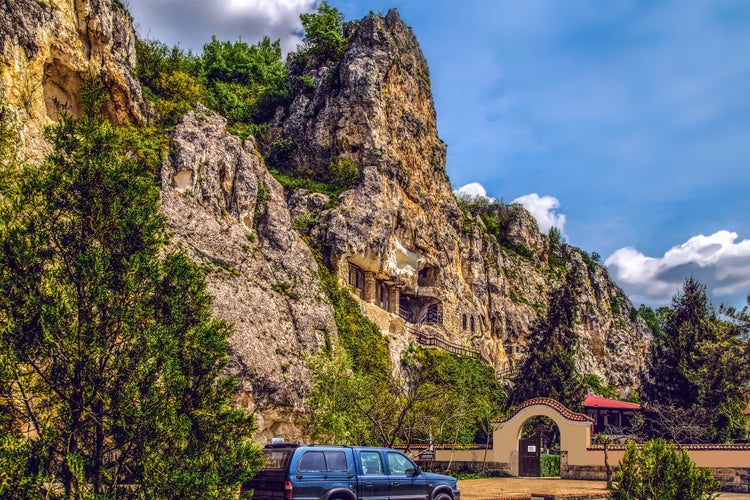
column 399, row 238
column 49, row 47
column 401, row 229
column 229, row 214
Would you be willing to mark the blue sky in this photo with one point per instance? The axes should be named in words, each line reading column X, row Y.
column 625, row 123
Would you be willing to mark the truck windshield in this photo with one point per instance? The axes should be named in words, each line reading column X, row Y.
column 277, row 458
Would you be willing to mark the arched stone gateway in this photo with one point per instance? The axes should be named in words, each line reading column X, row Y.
column 575, row 432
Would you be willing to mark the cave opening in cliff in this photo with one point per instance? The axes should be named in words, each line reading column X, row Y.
column 420, row 309
column 428, row 276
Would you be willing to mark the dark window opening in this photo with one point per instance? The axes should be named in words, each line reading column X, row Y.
column 383, row 296
column 418, row 310
column 428, row 276
column 472, row 326
column 464, row 321
column 356, row 277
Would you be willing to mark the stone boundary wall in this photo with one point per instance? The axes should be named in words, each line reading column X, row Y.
column 494, row 468
column 729, row 464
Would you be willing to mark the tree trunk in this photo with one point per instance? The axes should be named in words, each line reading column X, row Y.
column 607, row 467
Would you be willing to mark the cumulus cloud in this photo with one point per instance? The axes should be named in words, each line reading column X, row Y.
column 473, row 190
column 543, row 209
column 718, row 260
column 191, row 23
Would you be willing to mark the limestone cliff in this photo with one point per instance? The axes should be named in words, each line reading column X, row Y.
column 47, row 48
column 229, row 214
column 398, row 239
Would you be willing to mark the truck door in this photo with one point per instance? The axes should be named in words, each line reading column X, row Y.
column 404, row 482
column 373, row 482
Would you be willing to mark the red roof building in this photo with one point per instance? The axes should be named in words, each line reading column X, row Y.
column 609, row 414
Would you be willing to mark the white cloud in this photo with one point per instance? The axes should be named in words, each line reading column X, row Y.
column 191, row 23
column 473, row 189
column 543, row 210
column 717, row 260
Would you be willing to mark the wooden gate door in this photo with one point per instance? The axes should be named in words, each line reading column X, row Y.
column 528, row 456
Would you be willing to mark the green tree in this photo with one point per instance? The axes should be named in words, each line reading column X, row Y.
column 549, row 369
column 324, row 32
column 171, row 78
column 595, row 384
column 653, row 318
column 660, row 470
column 247, row 82
column 698, row 371
column 431, row 393
column 111, row 366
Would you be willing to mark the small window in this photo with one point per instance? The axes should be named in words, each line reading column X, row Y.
column 398, row 464
column 277, row 458
column 383, row 296
column 472, row 323
column 323, row 461
column 371, row 463
column 464, row 321
column 356, row 277
column 312, row 461
column 336, row 461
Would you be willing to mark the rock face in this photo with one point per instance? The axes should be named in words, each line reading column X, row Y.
column 229, row 214
column 49, row 47
column 399, row 239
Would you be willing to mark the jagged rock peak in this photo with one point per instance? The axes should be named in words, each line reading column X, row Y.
column 373, row 107
column 399, row 238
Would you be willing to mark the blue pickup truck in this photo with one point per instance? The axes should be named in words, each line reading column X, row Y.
column 346, row 473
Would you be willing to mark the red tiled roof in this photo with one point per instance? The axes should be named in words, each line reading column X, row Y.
column 555, row 405
column 599, row 402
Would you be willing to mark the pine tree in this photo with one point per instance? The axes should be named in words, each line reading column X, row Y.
column 698, row 370
column 111, row 366
column 549, row 369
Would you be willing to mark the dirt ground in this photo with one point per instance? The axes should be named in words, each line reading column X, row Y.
column 499, row 487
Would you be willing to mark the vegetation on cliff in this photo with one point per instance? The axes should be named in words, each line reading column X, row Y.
column 553, row 350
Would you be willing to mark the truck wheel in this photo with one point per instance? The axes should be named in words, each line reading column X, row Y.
column 443, row 496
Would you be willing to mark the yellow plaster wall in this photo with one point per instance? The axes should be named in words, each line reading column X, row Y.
column 575, row 437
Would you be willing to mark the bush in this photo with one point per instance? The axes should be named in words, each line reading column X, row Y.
column 660, row 470
column 324, row 32
column 343, row 172
column 550, row 465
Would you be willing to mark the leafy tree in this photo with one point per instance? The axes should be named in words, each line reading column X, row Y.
column 247, row 82
column 549, row 369
column 555, row 237
column 660, row 470
column 171, row 78
column 595, row 384
column 324, row 33
column 653, row 318
column 111, row 366
column 431, row 393
column 698, row 371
